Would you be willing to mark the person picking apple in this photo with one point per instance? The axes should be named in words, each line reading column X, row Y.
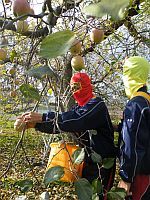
column 88, row 116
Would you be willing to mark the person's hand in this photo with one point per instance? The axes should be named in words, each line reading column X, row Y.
column 126, row 186
column 31, row 118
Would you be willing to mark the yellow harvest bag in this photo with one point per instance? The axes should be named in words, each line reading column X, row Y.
column 61, row 154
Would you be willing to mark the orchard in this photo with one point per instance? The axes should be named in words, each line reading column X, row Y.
column 42, row 44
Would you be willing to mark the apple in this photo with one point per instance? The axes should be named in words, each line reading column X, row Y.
column 32, row 11
column 4, row 42
column 13, row 93
column 3, row 54
column 7, row 1
column 12, row 71
column 77, row 63
column 19, row 125
column 76, row 47
column 22, row 26
column 21, row 7
column 17, row 82
column 96, row 35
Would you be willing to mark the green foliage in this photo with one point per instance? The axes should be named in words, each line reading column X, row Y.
column 117, row 194
column 29, row 92
column 83, row 189
column 95, row 197
column 78, row 156
column 107, row 7
column 56, row 44
column 13, row 54
column 108, row 162
column 53, row 174
column 96, row 157
column 40, row 72
column 97, row 186
column 24, row 185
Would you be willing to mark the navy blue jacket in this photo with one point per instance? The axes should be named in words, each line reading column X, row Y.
column 82, row 121
column 135, row 138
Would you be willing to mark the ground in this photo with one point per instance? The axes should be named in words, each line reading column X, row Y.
column 30, row 155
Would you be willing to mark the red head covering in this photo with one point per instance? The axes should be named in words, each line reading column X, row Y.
column 85, row 93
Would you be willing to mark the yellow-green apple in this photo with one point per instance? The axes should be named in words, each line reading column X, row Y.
column 19, row 124
column 96, row 35
column 77, row 63
column 76, row 47
column 3, row 54
column 22, row 26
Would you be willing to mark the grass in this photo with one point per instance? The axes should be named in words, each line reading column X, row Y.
column 31, row 156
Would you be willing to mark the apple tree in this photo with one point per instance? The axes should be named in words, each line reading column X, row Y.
column 43, row 42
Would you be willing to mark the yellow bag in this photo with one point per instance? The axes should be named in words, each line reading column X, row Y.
column 61, row 155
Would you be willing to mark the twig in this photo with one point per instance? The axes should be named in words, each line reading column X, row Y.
column 21, row 139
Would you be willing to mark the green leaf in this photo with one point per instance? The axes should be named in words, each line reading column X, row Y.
column 53, row 174
column 29, row 91
column 50, row 91
column 113, row 8
column 24, row 185
column 95, row 197
column 57, row 44
column 116, row 193
column 13, row 54
column 78, row 156
column 108, row 162
column 96, row 157
column 97, row 186
column 40, row 72
column 83, row 189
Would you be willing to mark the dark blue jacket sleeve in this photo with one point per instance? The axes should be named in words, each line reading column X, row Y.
column 129, row 138
column 76, row 120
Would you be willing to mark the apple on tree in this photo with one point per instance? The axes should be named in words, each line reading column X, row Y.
column 96, row 35
column 77, row 63
column 7, row 1
column 32, row 11
column 13, row 94
column 3, row 54
column 76, row 47
column 22, row 26
column 21, row 7
column 4, row 42
column 16, row 82
column 12, row 71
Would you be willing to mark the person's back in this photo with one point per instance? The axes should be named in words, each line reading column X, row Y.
column 135, row 134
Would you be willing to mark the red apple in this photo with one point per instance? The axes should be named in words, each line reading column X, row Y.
column 21, row 7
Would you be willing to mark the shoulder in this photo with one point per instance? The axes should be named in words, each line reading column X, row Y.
column 135, row 105
column 95, row 102
column 138, row 101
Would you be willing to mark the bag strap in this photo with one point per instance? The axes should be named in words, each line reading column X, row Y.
column 143, row 94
